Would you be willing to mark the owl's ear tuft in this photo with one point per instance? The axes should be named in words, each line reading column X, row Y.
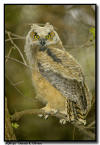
column 49, row 25
column 34, row 26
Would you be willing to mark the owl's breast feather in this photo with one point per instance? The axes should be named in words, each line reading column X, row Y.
column 43, row 48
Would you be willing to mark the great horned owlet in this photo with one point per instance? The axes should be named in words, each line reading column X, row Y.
column 56, row 75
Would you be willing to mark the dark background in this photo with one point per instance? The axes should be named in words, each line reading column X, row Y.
column 73, row 24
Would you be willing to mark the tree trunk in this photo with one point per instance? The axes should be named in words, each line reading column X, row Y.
column 9, row 134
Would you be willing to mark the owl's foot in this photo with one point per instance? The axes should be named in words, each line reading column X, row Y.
column 49, row 110
column 81, row 121
column 62, row 121
column 44, row 116
column 40, row 115
column 68, row 118
column 64, row 112
column 46, row 110
column 54, row 111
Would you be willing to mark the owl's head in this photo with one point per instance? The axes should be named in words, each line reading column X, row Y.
column 43, row 36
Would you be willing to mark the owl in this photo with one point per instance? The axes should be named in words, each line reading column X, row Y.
column 57, row 77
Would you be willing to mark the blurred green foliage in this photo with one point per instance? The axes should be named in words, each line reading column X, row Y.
column 92, row 30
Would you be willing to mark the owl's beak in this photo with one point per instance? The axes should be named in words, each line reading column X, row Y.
column 42, row 41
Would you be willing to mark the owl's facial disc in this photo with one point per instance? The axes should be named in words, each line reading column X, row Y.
column 43, row 36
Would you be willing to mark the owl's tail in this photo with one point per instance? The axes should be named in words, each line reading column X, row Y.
column 75, row 114
column 88, row 98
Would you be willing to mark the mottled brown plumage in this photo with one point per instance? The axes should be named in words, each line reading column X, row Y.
column 57, row 76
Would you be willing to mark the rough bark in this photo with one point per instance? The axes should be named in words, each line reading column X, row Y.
column 9, row 134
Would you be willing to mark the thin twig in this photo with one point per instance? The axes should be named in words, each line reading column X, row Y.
column 17, row 89
column 17, row 83
column 16, row 60
column 9, row 54
column 12, row 42
column 13, row 34
column 74, row 133
column 86, row 44
column 15, row 86
column 91, row 124
column 85, row 131
column 13, row 39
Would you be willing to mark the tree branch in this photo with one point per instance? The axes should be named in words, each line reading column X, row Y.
column 18, row 115
column 12, row 42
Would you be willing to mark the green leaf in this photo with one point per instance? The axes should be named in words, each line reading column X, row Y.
column 15, row 125
column 92, row 30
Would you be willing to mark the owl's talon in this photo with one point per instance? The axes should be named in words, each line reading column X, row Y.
column 40, row 115
column 46, row 117
column 62, row 121
column 54, row 111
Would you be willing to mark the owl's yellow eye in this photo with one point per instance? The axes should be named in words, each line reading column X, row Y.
column 36, row 36
column 50, row 35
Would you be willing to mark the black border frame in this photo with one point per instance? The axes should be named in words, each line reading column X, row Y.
column 96, row 82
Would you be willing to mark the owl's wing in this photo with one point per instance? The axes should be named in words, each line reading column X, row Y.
column 61, row 62
column 64, row 73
